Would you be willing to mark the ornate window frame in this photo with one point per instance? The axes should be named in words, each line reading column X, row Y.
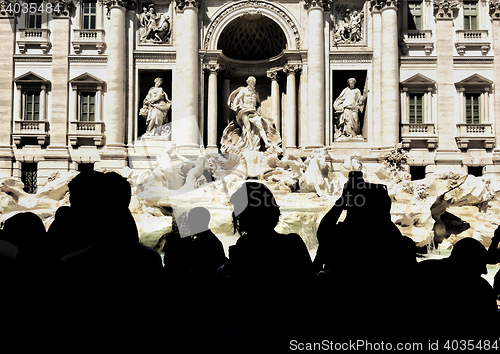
column 93, row 38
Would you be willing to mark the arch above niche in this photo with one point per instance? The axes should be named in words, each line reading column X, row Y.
column 226, row 14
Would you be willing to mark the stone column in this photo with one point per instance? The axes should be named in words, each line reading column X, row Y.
column 275, row 97
column 390, row 73
column 19, row 102
column 213, row 69
column 74, row 113
column 315, row 136
column 115, row 115
column 447, row 152
column 291, row 106
column 98, row 105
column 56, row 157
column 185, row 130
column 226, row 91
column 495, row 24
column 375, row 121
column 43, row 90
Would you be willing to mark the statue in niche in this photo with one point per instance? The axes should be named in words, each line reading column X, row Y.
column 250, row 131
column 155, row 108
column 155, row 27
column 348, row 25
column 348, row 106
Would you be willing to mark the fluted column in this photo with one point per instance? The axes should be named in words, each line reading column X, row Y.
column 390, row 72
column 213, row 69
column 275, row 97
column 447, row 152
column 495, row 24
column 315, row 136
column 185, row 130
column 291, row 106
column 115, row 113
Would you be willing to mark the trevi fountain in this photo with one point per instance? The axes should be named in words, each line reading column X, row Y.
column 435, row 212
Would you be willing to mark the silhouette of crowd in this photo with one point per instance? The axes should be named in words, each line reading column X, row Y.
column 87, row 282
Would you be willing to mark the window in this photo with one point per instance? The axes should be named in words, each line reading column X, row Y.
column 414, row 15
column 416, row 114
column 32, row 106
column 476, row 171
column 470, row 15
column 35, row 15
column 87, row 106
column 472, row 108
column 85, row 167
column 89, row 15
column 29, row 176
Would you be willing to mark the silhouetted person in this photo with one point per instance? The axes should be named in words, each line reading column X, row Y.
column 73, row 226
column 493, row 250
column 262, row 289
column 191, row 263
column 115, row 282
column 365, row 265
column 457, row 298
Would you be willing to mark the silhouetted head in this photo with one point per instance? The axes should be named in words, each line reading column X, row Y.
column 85, row 189
column 363, row 199
column 24, row 230
column 255, row 209
column 470, row 256
column 117, row 189
column 198, row 220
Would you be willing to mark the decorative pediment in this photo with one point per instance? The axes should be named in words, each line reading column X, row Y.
column 86, row 80
column 419, row 81
column 31, row 79
column 475, row 81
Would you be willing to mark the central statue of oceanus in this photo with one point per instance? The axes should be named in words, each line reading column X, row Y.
column 250, row 131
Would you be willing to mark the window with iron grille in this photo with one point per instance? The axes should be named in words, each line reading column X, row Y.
column 35, row 14
column 89, row 15
column 32, row 105
column 29, row 176
column 416, row 106
column 470, row 15
column 414, row 15
column 87, row 106
column 472, row 108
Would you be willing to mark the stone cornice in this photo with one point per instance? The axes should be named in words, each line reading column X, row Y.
column 495, row 10
column 379, row 5
column 315, row 4
column 33, row 58
column 181, row 5
column 351, row 57
column 444, row 9
column 166, row 57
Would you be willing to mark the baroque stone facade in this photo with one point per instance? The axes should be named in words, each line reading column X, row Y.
column 75, row 74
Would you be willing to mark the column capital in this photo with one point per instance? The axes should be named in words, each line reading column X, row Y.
column 61, row 8
column 495, row 10
column 212, row 67
column 5, row 9
column 123, row 3
column 444, row 9
column 379, row 5
column 228, row 74
column 291, row 68
column 318, row 4
column 273, row 73
column 181, row 5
